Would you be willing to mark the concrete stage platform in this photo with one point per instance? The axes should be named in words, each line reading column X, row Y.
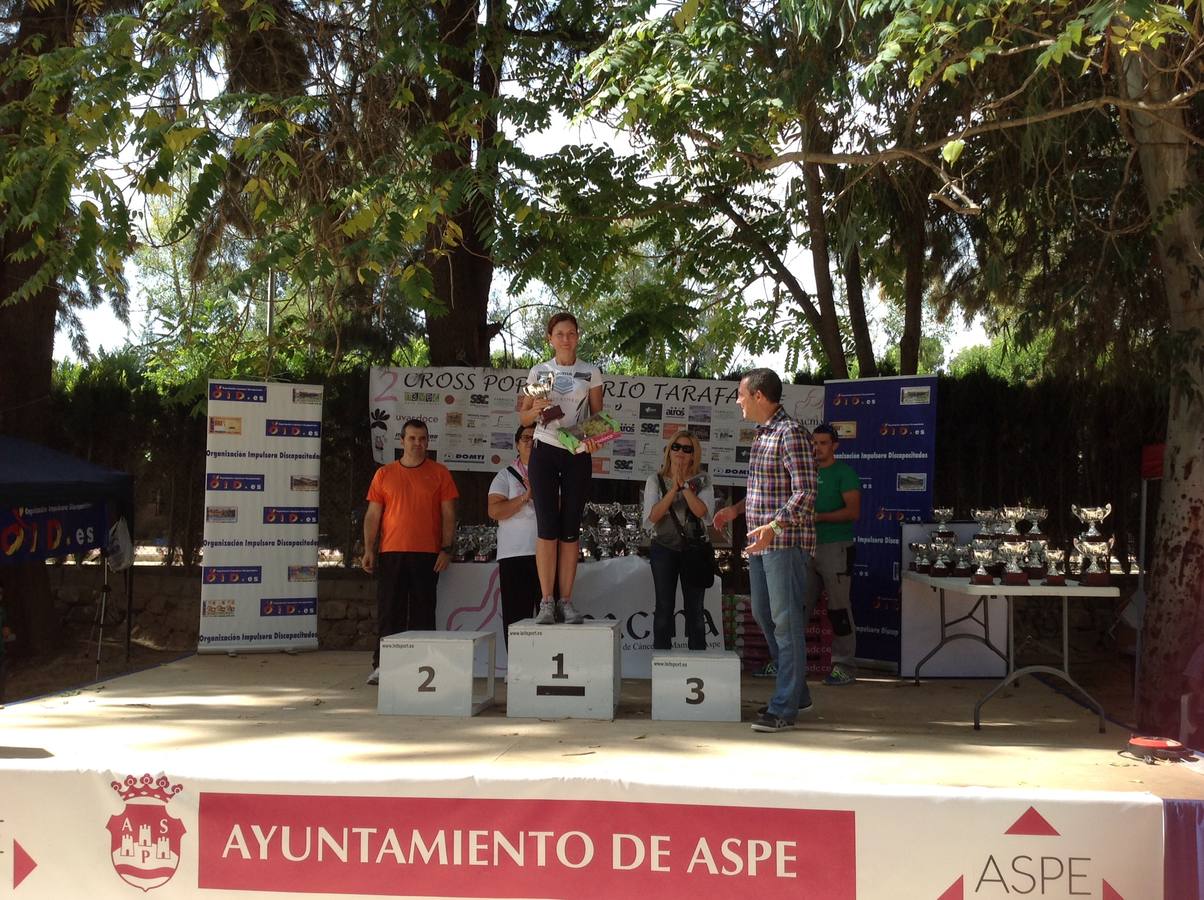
column 279, row 777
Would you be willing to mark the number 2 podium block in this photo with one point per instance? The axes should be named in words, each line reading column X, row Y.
column 429, row 673
column 699, row 686
column 563, row 671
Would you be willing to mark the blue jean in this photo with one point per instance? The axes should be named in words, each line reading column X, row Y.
column 778, row 583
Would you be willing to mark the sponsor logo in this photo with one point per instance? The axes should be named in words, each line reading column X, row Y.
column 854, row 400
column 650, row 428
column 303, row 483
column 601, row 465
column 450, row 399
column 650, row 410
column 144, row 836
column 308, row 396
column 225, row 515
column 292, row 428
column 675, row 412
column 729, row 471
column 623, row 465
column 464, row 457
column 742, row 454
column 218, row 609
column 302, row 573
column 845, row 430
column 231, row 574
column 301, row 606
column 478, row 399
column 238, row 393
column 224, row 481
column 627, row 427
column 420, row 396
column 909, row 482
column 915, row 396
column 454, row 420
column 225, row 425
column 902, row 429
column 290, row 515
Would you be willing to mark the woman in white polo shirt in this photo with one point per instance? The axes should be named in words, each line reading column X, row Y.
column 560, row 478
column 510, row 505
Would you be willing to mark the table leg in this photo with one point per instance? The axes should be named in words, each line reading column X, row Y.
column 947, row 623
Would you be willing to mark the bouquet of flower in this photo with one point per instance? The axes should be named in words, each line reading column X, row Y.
column 601, row 427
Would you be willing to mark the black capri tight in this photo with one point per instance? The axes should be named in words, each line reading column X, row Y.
column 559, row 485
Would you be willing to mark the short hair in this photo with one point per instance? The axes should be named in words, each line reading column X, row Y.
column 695, row 460
column 826, row 428
column 414, row 423
column 559, row 317
column 766, row 381
column 518, row 432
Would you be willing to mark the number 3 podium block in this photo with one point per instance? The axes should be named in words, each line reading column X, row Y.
column 563, row 671
column 429, row 673
column 699, row 686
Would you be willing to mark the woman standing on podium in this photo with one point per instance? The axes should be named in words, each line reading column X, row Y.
column 678, row 500
column 560, row 478
column 510, row 505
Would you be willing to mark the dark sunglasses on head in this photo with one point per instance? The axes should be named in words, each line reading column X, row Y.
column 682, row 448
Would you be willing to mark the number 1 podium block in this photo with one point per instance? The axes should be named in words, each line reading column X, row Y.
column 563, row 671
column 429, row 673
column 699, row 686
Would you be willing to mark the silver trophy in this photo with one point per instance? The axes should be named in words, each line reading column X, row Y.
column 1013, row 552
column 984, row 554
column 1092, row 516
column 1035, row 515
column 541, row 389
column 1012, row 515
column 1055, row 577
column 942, row 515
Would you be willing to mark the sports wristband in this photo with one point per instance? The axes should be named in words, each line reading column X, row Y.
column 773, row 523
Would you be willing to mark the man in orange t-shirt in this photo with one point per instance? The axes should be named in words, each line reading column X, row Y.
column 412, row 509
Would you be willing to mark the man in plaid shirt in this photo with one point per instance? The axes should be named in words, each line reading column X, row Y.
column 779, row 509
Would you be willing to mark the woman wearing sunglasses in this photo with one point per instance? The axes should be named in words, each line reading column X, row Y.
column 510, row 505
column 676, row 503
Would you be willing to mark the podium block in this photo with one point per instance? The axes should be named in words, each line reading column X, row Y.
column 563, row 671
column 701, row 686
column 429, row 673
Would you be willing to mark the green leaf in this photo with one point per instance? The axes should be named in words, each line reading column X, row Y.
column 952, row 150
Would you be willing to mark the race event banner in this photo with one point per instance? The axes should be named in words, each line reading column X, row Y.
column 887, row 429
column 259, row 578
column 472, row 414
column 498, row 833
column 36, row 533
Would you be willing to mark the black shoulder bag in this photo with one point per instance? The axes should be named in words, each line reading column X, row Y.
column 698, row 553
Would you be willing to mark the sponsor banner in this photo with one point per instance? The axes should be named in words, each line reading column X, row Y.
column 259, row 584
column 569, row 833
column 32, row 533
column 472, row 415
column 620, row 588
column 887, row 430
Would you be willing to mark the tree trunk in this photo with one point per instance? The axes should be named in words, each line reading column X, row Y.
column 1174, row 617
column 27, row 346
column 817, row 225
column 462, row 267
column 867, row 365
column 914, row 233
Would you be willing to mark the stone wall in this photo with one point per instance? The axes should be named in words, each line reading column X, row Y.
column 167, row 605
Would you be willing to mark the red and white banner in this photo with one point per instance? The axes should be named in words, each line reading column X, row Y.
column 121, row 835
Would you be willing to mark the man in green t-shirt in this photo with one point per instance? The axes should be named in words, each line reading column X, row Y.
column 837, row 508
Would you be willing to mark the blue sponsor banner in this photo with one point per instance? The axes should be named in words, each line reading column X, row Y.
column 887, row 430
column 33, row 533
column 238, row 393
column 298, row 606
column 229, row 481
column 292, row 428
column 290, row 515
column 231, row 574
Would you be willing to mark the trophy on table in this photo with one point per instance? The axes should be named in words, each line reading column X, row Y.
column 1012, row 515
column 1093, row 550
column 984, row 554
column 1035, row 516
column 922, row 562
column 942, row 546
column 1013, row 552
column 1055, row 577
column 942, row 515
column 541, row 389
column 1091, row 516
column 1034, row 565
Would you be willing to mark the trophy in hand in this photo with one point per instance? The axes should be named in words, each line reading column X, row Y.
column 541, row 389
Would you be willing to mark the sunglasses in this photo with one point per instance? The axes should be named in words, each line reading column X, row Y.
column 682, row 448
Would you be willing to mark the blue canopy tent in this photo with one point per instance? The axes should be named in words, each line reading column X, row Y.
column 53, row 504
